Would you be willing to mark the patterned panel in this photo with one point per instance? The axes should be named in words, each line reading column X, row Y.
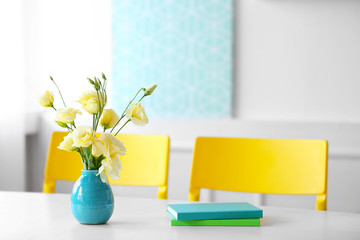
column 183, row 46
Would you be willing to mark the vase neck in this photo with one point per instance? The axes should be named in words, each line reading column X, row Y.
column 89, row 172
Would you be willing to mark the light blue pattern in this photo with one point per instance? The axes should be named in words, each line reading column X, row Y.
column 185, row 46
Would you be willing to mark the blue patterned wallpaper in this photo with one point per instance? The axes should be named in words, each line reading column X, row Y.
column 184, row 46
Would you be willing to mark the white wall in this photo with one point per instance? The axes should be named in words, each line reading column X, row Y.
column 298, row 60
column 12, row 123
column 69, row 40
column 296, row 70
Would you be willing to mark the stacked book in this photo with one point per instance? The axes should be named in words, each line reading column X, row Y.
column 215, row 214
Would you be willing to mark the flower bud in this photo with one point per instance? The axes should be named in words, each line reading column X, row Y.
column 103, row 76
column 97, row 84
column 61, row 124
column 150, row 90
column 91, row 81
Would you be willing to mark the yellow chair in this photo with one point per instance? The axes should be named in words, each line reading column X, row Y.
column 145, row 163
column 273, row 166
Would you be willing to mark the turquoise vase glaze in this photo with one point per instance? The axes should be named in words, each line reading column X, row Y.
column 92, row 201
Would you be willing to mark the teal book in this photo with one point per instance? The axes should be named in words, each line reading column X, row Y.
column 204, row 211
column 246, row 222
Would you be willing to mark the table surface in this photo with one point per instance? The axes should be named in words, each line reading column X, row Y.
column 48, row 216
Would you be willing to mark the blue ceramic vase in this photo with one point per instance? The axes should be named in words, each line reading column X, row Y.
column 92, row 201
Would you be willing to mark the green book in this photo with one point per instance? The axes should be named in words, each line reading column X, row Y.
column 218, row 222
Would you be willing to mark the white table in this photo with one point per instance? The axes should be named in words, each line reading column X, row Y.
column 48, row 216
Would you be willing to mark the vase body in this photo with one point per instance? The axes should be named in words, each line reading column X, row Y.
column 92, row 201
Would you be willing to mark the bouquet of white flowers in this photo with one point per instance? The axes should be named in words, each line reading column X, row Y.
column 97, row 151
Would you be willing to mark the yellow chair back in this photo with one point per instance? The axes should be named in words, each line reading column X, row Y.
column 273, row 166
column 145, row 163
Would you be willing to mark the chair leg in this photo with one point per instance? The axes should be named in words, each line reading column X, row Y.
column 194, row 194
column 162, row 192
column 321, row 202
column 49, row 187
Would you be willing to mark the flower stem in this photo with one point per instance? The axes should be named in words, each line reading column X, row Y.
column 142, row 97
column 69, row 128
column 101, row 95
column 100, row 111
column 123, row 114
column 58, row 90
column 94, row 122
column 122, row 127
column 84, row 159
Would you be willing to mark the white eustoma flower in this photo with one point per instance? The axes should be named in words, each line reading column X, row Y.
column 136, row 113
column 68, row 143
column 103, row 176
column 112, row 166
column 66, row 115
column 83, row 136
column 113, row 145
column 90, row 102
column 98, row 148
column 46, row 99
column 109, row 118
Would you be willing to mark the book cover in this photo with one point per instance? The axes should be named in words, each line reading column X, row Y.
column 204, row 211
column 250, row 222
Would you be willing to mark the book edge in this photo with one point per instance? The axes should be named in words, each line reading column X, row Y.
column 250, row 222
